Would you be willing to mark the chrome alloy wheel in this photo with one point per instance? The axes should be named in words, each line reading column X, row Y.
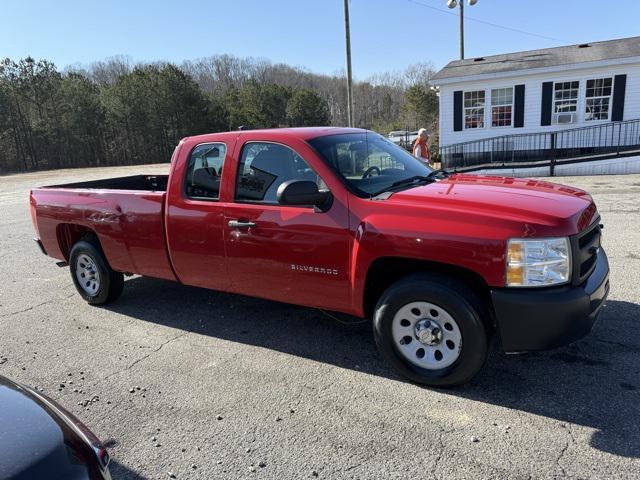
column 87, row 274
column 426, row 335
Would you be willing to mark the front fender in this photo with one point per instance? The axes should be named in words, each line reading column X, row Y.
column 375, row 239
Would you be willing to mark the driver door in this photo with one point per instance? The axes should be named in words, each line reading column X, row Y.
column 292, row 254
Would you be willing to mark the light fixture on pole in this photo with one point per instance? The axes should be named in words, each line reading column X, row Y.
column 454, row 4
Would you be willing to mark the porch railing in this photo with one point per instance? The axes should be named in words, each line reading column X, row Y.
column 601, row 140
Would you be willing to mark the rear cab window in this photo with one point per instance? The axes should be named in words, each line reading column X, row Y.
column 204, row 171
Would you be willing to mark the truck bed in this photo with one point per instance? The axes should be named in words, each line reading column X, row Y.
column 150, row 183
column 125, row 213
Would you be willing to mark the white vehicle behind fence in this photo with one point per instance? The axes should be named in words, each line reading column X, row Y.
column 404, row 138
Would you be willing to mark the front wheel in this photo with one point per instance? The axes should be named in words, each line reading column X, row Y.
column 431, row 329
column 94, row 279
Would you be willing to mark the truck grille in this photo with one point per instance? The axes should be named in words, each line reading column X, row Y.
column 584, row 247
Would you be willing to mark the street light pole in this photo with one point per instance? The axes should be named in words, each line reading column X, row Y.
column 348, row 43
column 454, row 4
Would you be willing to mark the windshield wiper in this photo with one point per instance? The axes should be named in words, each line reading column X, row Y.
column 410, row 180
column 430, row 177
column 405, row 181
column 439, row 171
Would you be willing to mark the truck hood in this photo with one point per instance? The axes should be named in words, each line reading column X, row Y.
column 567, row 209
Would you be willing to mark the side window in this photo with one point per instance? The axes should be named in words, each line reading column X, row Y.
column 265, row 166
column 204, row 171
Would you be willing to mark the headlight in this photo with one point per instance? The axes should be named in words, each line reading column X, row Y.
column 538, row 262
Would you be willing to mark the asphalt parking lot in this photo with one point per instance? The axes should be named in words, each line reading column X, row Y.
column 203, row 385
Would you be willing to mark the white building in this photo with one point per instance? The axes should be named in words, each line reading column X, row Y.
column 538, row 93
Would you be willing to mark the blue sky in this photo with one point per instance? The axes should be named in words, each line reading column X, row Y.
column 386, row 34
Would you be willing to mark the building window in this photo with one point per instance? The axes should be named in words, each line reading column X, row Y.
column 501, row 107
column 598, row 99
column 474, row 109
column 565, row 97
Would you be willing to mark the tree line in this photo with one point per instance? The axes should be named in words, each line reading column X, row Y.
column 116, row 113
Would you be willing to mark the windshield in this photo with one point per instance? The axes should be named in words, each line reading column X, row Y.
column 368, row 162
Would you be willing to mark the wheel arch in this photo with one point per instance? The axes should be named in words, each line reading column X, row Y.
column 68, row 234
column 385, row 271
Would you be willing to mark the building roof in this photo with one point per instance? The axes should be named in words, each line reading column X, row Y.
column 546, row 57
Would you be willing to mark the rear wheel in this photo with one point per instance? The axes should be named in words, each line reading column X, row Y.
column 94, row 279
column 431, row 329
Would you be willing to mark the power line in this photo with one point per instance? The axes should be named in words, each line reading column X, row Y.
column 442, row 10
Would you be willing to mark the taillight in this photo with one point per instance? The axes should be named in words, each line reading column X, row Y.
column 32, row 211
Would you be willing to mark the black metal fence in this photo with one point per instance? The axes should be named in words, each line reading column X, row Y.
column 605, row 139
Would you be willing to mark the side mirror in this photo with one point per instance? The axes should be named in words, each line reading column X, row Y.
column 304, row 192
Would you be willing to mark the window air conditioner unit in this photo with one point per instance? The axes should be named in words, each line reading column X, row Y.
column 564, row 118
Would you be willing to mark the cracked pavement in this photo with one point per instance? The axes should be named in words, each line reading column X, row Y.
column 244, row 388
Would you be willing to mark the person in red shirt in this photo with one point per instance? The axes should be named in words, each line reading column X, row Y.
column 420, row 147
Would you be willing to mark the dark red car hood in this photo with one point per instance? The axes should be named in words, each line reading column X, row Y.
column 37, row 439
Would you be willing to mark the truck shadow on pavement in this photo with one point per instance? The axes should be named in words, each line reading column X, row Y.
column 594, row 382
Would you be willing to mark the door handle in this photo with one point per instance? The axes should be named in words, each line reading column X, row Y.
column 241, row 224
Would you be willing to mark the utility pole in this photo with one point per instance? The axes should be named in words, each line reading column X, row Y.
column 349, row 81
column 461, row 29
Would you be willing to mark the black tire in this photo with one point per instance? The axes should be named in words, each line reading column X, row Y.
column 111, row 282
column 469, row 312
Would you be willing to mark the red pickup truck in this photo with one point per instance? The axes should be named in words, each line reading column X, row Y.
column 344, row 220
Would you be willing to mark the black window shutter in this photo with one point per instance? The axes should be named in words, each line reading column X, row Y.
column 518, row 107
column 619, row 87
column 457, row 111
column 547, row 103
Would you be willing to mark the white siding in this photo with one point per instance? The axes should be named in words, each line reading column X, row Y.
column 613, row 166
column 532, row 103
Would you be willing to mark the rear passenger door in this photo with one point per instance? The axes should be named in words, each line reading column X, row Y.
column 195, row 217
column 287, row 253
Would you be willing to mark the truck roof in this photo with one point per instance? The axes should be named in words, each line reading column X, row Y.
column 303, row 133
